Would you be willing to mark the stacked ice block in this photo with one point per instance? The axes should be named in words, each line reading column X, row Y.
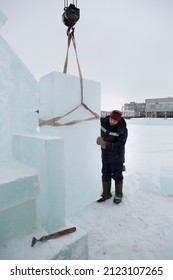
column 60, row 94
column 18, row 193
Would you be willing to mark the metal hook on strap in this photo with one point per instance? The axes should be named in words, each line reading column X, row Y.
column 70, row 30
column 70, row 16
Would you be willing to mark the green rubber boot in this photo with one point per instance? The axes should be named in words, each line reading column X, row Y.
column 118, row 192
column 106, row 183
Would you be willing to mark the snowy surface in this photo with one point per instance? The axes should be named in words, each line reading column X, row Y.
column 142, row 226
column 71, row 246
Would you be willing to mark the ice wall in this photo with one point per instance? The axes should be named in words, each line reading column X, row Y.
column 59, row 94
column 30, row 201
column 5, row 137
column 18, row 97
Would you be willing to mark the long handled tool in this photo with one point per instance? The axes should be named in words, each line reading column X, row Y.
column 53, row 235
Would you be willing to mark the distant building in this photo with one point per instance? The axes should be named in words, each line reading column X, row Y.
column 159, row 107
column 152, row 108
column 105, row 113
column 134, row 110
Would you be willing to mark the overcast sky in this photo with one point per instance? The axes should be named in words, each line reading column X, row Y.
column 126, row 45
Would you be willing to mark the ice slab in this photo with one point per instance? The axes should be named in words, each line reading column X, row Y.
column 59, row 94
column 18, row 193
column 149, row 184
column 18, row 183
column 166, row 179
column 14, row 223
column 160, row 182
column 46, row 154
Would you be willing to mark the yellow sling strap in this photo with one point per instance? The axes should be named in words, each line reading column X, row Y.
column 54, row 121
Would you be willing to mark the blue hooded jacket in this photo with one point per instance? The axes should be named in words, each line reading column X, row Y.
column 115, row 136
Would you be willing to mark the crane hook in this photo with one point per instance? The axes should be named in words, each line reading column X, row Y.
column 70, row 16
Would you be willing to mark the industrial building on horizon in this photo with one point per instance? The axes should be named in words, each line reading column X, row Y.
column 152, row 108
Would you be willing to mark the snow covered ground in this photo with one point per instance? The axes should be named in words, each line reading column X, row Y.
column 141, row 227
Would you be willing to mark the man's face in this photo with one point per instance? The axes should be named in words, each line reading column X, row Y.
column 112, row 121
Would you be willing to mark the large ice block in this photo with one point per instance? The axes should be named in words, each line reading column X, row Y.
column 166, row 180
column 59, row 94
column 18, row 193
column 46, row 154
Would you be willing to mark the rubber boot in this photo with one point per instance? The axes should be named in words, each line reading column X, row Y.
column 106, row 190
column 118, row 192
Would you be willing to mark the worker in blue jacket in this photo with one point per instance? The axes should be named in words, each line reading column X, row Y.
column 113, row 138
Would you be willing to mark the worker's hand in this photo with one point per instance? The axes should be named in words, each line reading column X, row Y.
column 101, row 142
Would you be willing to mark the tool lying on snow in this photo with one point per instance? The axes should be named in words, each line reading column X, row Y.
column 53, row 235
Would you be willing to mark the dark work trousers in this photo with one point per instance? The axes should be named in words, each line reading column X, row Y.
column 112, row 165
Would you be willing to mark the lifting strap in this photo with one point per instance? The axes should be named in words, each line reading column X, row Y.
column 54, row 121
